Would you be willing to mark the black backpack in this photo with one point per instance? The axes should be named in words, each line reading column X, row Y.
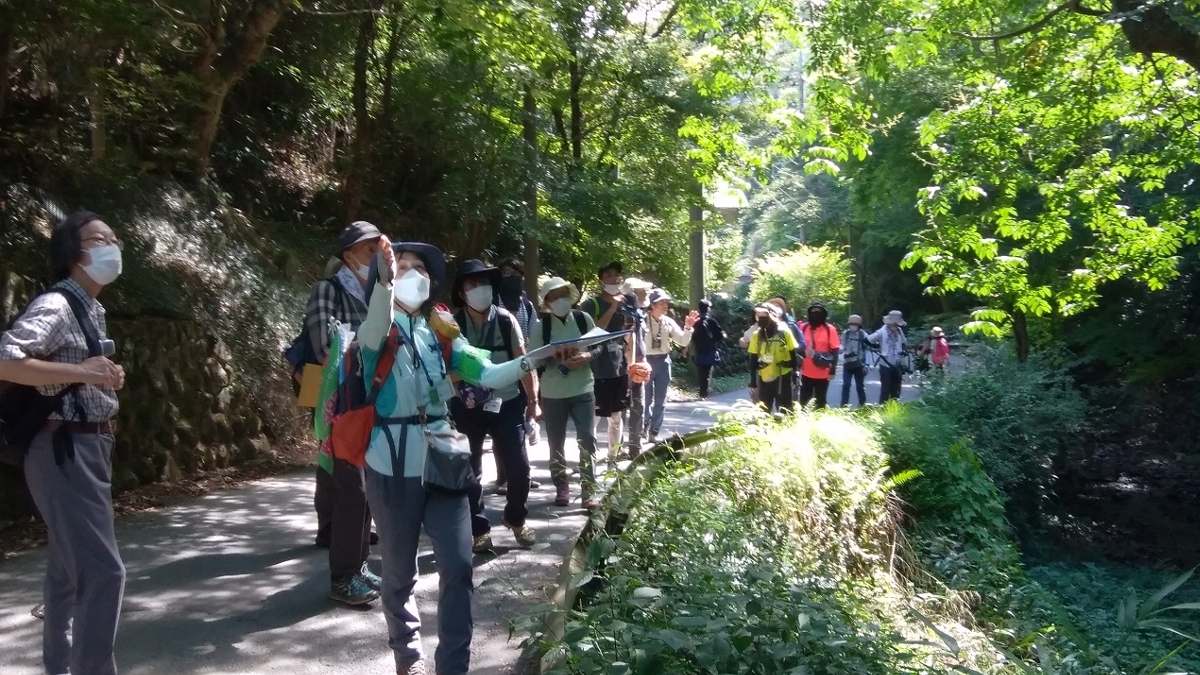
column 505, row 323
column 301, row 351
column 23, row 409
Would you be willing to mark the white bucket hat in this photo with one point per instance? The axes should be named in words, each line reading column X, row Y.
column 553, row 284
column 895, row 317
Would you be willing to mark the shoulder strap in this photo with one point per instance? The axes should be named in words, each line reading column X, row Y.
column 387, row 359
column 505, row 322
column 581, row 320
column 546, row 329
column 91, row 334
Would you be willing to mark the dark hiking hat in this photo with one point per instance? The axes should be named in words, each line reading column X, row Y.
column 356, row 233
column 612, row 266
column 472, row 268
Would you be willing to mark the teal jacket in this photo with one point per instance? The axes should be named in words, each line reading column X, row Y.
column 418, row 379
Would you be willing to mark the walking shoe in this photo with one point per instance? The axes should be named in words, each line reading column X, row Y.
column 563, row 495
column 414, row 667
column 653, row 438
column 373, row 580
column 482, row 544
column 353, row 591
column 533, row 484
column 38, row 612
column 524, row 534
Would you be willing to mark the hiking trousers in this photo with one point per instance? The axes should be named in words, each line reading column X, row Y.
column 507, row 429
column 777, row 395
column 637, row 419
column 857, row 376
column 656, row 391
column 890, row 379
column 814, row 388
column 580, row 410
column 350, row 520
column 401, row 506
column 85, row 578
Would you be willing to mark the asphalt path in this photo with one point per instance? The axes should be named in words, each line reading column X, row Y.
column 232, row 583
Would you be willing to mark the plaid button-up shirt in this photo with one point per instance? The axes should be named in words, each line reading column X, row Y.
column 48, row 331
column 326, row 302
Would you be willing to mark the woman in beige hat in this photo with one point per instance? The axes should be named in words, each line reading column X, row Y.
column 854, row 366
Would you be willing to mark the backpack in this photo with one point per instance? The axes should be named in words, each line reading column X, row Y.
column 505, row 323
column 23, row 409
column 355, row 414
column 301, row 351
column 580, row 321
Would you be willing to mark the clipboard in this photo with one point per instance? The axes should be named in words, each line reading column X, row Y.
column 588, row 340
column 310, row 386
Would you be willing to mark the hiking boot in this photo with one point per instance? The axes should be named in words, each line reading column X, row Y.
column 415, row 667
column 353, row 591
column 562, row 496
column 373, row 580
column 524, row 534
column 482, row 544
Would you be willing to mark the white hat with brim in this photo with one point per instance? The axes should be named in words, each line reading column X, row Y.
column 658, row 295
column 634, row 284
column 553, row 284
column 895, row 317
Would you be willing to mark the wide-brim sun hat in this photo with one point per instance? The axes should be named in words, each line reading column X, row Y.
column 855, row 319
column 895, row 317
column 553, row 284
column 472, row 268
column 937, row 331
column 634, row 284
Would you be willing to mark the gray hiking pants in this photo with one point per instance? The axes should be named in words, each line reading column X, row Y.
column 400, row 507
column 85, row 578
column 581, row 410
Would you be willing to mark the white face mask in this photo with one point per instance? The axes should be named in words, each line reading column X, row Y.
column 480, row 298
column 561, row 307
column 612, row 289
column 411, row 289
column 105, row 266
column 360, row 269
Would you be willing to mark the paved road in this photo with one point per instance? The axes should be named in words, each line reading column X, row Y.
column 231, row 583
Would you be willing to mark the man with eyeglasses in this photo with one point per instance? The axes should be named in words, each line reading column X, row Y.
column 57, row 353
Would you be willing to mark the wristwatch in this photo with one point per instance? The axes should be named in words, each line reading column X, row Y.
column 526, row 366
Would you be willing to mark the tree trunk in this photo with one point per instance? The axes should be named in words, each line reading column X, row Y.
column 96, row 106
column 1020, row 334
column 1150, row 29
column 222, row 63
column 576, row 113
column 533, row 257
column 356, row 173
column 6, row 44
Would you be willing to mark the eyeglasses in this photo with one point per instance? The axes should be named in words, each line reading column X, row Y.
column 105, row 241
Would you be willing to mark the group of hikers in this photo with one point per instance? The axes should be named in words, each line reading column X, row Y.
column 419, row 387
column 779, row 346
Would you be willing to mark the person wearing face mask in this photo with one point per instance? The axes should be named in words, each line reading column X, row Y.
column 821, row 347
column 609, row 310
column 343, row 517
column 568, row 389
column 891, row 341
column 772, row 350
column 479, row 412
column 661, row 332
column 412, row 403
column 58, row 345
column 511, row 296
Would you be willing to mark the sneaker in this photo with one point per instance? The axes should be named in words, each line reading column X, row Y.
column 38, row 612
column 482, row 544
column 373, row 580
column 533, row 484
column 353, row 591
column 415, row 667
column 653, row 438
column 524, row 534
column 563, row 495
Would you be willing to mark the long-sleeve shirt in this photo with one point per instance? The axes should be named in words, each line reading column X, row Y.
column 891, row 343
column 660, row 333
column 332, row 299
column 420, row 378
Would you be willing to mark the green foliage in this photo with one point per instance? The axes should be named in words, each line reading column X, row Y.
column 1023, row 418
column 803, row 275
column 1062, row 148
column 953, row 494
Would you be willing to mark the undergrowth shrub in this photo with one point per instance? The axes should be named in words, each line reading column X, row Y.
column 1023, row 418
